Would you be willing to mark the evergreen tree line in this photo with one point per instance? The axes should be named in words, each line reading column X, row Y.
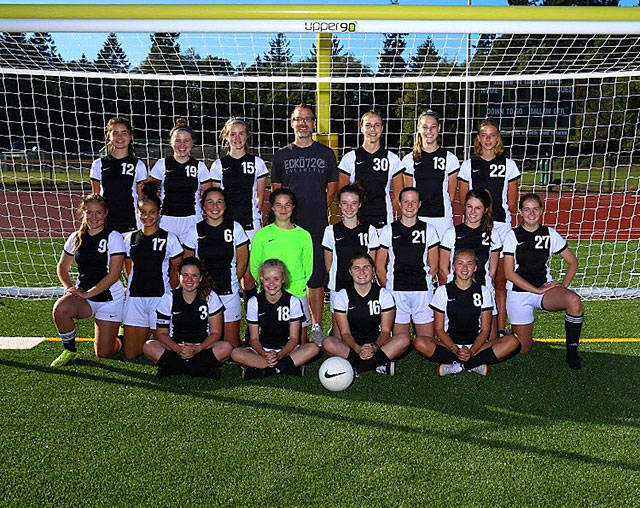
column 67, row 114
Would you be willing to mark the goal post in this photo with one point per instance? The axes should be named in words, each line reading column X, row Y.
column 563, row 82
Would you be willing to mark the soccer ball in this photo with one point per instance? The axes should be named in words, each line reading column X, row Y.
column 336, row 374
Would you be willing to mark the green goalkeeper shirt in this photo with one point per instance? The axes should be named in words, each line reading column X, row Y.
column 291, row 246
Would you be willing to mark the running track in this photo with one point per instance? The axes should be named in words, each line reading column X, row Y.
column 579, row 216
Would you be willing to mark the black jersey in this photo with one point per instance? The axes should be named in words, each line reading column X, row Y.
column 374, row 171
column 118, row 179
column 180, row 185
column 465, row 237
column 216, row 247
column 364, row 313
column 93, row 258
column 345, row 243
column 187, row 322
column 150, row 256
column 431, row 178
column 494, row 176
column 273, row 319
column 532, row 252
column 408, row 247
column 238, row 178
column 462, row 309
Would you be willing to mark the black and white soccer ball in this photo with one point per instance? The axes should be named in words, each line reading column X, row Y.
column 336, row 374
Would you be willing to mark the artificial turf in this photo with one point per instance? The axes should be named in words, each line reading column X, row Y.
column 532, row 433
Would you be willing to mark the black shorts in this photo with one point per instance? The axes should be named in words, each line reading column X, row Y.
column 319, row 277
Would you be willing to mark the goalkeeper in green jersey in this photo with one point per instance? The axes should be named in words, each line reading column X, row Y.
column 291, row 244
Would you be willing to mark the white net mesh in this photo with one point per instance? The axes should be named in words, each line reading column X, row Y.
column 567, row 106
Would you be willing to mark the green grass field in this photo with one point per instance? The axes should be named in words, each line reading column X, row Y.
column 532, row 433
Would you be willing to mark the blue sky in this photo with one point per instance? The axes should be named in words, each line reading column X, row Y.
column 72, row 46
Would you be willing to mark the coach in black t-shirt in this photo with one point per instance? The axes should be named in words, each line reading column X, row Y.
column 311, row 171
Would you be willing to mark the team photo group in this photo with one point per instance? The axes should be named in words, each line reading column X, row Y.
column 197, row 244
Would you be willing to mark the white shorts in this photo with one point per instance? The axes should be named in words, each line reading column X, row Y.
column 494, row 310
column 521, row 306
column 232, row 310
column 141, row 311
column 107, row 311
column 306, row 320
column 441, row 224
column 413, row 306
column 502, row 229
column 332, row 297
column 251, row 233
column 179, row 226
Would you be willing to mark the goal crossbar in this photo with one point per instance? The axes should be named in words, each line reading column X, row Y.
column 335, row 18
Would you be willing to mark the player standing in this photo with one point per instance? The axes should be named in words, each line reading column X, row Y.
column 223, row 245
column 309, row 169
column 242, row 176
column 182, row 178
column 364, row 313
column 407, row 263
column 118, row 176
column 99, row 254
column 189, row 326
column 273, row 318
column 344, row 239
column 527, row 252
column 432, row 170
column 462, row 310
column 377, row 169
column 151, row 264
column 491, row 169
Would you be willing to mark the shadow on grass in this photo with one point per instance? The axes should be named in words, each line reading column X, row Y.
column 533, row 390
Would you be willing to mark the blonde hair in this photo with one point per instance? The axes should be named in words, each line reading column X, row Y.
column 227, row 128
column 275, row 263
column 417, row 143
column 82, row 208
column 499, row 148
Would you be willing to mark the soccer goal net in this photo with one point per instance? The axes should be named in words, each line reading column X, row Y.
column 564, row 88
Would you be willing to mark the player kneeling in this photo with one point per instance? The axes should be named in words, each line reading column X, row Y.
column 462, row 315
column 189, row 326
column 274, row 318
column 364, row 313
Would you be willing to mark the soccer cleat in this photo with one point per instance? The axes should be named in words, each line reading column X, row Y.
column 574, row 362
column 317, row 335
column 483, row 370
column 444, row 369
column 388, row 368
column 65, row 358
column 249, row 373
column 118, row 345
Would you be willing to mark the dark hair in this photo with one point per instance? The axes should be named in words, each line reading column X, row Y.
column 281, row 191
column 209, row 191
column 84, row 227
column 206, row 283
column 482, row 194
column 499, row 145
column 460, row 252
column 354, row 188
column 150, row 192
column 118, row 120
column 302, row 105
column 362, row 255
column 408, row 189
column 527, row 197
column 181, row 125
